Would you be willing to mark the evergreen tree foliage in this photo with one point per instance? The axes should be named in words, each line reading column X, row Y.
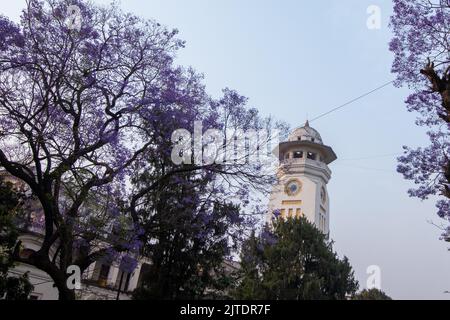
column 293, row 260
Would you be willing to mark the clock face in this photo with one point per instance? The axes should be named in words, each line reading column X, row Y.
column 293, row 187
column 323, row 195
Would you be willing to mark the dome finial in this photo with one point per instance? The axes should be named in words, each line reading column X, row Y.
column 307, row 123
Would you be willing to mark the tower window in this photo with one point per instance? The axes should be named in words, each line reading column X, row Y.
column 322, row 221
column 311, row 156
column 298, row 154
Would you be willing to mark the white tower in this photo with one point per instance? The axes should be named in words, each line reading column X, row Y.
column 303, row 175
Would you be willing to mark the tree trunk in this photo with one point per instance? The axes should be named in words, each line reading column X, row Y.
column 65, row 294
column 42, row 262
column 60, row 280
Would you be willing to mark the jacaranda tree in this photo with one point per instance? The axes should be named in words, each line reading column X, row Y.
column 422, row 63
column 85, row 103
column 193, row 221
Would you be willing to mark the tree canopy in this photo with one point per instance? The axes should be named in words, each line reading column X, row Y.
column 85, row 111
column 371, row 294
column 422, row 63
column 293, row 260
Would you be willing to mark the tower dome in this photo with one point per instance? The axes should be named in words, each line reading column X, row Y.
column 306, row 139
column 305, row 133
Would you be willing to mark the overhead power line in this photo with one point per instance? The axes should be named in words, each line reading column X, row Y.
column 366, row 168
column 351, row 101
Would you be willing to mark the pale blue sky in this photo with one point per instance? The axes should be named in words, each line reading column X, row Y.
column 297, row 58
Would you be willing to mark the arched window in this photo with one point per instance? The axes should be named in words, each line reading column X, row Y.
column 25, row 253
column 298, row 154
column 311, row 155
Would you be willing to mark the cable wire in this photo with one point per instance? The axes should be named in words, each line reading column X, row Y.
column 351, row 101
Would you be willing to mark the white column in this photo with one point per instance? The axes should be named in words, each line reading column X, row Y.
column 89, row 273
column 135, row 277
column 112, row 277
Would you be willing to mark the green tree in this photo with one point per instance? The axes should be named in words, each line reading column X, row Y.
column 371, row 294
column 193, row 214
column 293, row 261
column 188, row 238
column 11, row 288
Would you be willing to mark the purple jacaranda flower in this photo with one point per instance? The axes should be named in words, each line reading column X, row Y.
column 420, row 46
column 128, row 263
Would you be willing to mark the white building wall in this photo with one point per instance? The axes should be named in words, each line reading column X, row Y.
column 43, row 284
column 311, row 205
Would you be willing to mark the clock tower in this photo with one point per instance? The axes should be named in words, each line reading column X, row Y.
column 303, row 175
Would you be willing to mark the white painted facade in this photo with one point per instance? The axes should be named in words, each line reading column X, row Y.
column 99, row 281
column 303, row 175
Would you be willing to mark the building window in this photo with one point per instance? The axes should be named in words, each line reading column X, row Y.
column 145, row 270
column 312, row 139
column 298, row 154
column 311, row 155
column 103, row 275
column 123, row 280
column 291, row 211
column 25, row 253
column 322, row 221
column 291, row 202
